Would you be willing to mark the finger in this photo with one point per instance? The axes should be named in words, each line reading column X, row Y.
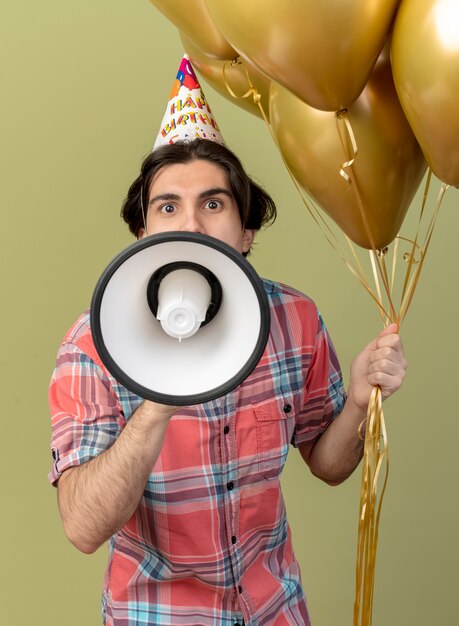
column 387, row 382
column 389, row 353
column 393, row 363
column 386, row 367
column 380, row 379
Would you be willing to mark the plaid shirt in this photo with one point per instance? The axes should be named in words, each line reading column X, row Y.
column 209, row 543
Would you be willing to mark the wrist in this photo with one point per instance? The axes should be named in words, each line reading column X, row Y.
column 154, row 412
column 148, row 425
column 356, row 404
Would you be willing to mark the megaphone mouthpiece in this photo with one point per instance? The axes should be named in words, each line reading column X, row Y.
column 183, row 296
column 183, row 299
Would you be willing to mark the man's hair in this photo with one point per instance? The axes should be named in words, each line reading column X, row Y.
column 256, row 207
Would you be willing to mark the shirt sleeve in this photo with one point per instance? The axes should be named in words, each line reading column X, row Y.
column 324, row 394
column 86, row 415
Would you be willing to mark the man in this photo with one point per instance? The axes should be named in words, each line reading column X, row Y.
column 190, row 498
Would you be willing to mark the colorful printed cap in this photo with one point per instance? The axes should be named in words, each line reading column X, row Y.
column 188, row 114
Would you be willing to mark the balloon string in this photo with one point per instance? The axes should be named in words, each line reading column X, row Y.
column 345, row 132
column 441, row 195
column 369, row 521
column 377, row 299
column 378, row 289
column 142, row 207
column 368, row 530
column 252, row 91
column 414, row 246
column 341, row 115
column 375, row 459
column 394, row 264
column 381, row 254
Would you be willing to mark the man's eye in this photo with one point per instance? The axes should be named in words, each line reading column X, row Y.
column 213, row 204
column 167, row 208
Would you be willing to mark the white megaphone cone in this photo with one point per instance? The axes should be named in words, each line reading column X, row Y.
column 180, row 318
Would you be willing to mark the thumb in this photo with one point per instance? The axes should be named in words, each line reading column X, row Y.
column 389, row 330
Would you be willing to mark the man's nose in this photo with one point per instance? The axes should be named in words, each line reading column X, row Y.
column 192, row 223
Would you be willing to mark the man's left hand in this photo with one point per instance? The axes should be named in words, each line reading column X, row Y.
column 382, row 362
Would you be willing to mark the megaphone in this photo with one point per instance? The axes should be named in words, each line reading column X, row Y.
column 180, row 318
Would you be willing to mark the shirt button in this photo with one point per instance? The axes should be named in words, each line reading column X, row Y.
column 226, row 429
column 230, row 485
column 287, row 408
column 233, row 539
column 239, row 589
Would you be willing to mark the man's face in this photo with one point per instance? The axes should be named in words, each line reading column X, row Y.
column 196, row 197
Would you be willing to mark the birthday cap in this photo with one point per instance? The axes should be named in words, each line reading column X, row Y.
column 188, row 114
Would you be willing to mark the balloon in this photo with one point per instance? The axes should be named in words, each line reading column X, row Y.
column 212, row 70
column 321, row 50
column 388, row 167
column 193, row 19
column 425, row 62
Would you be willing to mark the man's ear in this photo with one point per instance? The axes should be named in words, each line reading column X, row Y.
column 248, row 236
column 141, row 234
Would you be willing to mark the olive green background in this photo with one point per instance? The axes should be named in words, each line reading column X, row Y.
column 84, row 86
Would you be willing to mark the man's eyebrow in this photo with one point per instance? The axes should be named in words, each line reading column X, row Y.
column 215, row 191
column 164, row 196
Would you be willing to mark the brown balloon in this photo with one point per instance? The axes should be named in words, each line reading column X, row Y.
column 237, row 76
column 321, row 50
column 388, row 167
column 192, row 18
column 425, row 62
